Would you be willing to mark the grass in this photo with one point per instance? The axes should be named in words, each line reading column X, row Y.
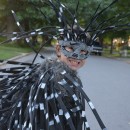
column 115, row 54
column 9, row 51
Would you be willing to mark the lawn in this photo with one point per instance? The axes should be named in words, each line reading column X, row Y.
column 7, row 52
column 115, row 54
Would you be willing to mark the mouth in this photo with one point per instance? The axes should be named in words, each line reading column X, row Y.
column 74, row 62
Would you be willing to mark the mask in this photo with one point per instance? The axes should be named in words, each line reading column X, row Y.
column 75, row 49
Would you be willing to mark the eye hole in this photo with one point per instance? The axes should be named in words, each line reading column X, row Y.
column 83, row 52
column 69, row 49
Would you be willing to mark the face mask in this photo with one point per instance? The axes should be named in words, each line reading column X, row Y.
column 75, row 49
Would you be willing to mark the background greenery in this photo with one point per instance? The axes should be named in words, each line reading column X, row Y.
column 34, row 14
column 9, row 51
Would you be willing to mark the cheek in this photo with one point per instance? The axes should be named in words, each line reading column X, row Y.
column 83, row 63
column 63, row 58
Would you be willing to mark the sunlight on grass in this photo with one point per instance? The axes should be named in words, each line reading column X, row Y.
column 7, row 52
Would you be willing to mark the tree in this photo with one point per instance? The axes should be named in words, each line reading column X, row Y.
column 34, row 14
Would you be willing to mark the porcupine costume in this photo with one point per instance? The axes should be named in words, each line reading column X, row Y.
column 49, row 96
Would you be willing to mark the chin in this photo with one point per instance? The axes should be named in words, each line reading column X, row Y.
column 74, row 68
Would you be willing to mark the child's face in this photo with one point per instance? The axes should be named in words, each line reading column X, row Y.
column 73, row 63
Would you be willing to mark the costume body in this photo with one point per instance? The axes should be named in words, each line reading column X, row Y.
column 50, row 96
column 44, row 99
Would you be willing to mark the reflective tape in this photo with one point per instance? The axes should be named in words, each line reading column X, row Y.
column 75, row 97
column 19, row 104
column 51, row 123
column 67, row 115
column 60, row 112
column 91, row 105
column 57, row 119
column 83, row 113
column 43, row 85
column 41, row 106
column 46, row 115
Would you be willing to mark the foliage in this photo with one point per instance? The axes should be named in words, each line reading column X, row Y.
column 34, row 14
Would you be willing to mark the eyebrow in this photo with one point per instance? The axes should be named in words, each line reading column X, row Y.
column 73, row 43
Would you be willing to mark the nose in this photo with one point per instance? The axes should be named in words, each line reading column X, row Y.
column 75, row 55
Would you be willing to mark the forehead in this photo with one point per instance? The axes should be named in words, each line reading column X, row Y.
column 73, row 44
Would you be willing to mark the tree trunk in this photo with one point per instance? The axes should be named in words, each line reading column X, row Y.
column 10, row 26
column 10, row 20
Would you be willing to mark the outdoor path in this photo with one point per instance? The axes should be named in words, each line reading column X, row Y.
column 107, row 83
column 28, row 57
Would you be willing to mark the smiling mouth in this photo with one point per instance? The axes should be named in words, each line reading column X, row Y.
column 74, row 62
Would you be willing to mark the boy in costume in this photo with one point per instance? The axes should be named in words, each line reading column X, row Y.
column 50, row 96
